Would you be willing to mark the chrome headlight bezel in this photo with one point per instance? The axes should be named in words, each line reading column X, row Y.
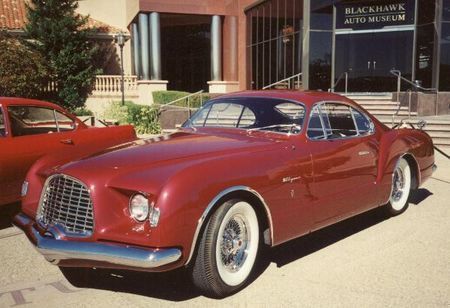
column 139, row 207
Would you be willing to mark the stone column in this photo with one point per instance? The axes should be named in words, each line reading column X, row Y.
column 216, row 48
column 230, row 81
column 144, row 46
column 136, row 51
column 150, row 40
column 155, row 46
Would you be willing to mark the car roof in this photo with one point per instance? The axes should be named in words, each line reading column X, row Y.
column 26, row 101
column 306, row 97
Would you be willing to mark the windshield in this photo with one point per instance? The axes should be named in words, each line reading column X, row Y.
column 252, row 113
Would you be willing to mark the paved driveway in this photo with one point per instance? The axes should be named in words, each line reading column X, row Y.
column 367, row 261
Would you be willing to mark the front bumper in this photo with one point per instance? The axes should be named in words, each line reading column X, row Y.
column 55, row 250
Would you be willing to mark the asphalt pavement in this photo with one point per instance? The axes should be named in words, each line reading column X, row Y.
column 367, row 261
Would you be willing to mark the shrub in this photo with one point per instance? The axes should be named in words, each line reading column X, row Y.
column 21, row 69
column 144, row 118
column 164, row 97
column 82, row 111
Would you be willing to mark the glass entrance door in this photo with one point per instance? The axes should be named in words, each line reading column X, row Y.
column 369, row 57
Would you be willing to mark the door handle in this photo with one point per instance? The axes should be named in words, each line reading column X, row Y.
column 66, row 141
column 368, row 64
column 374, row 65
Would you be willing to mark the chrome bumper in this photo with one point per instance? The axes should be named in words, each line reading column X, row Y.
column 55, row 250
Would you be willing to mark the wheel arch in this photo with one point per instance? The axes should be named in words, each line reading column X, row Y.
column 236, row 192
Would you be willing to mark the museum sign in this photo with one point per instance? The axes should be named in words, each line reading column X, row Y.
column 374, row 14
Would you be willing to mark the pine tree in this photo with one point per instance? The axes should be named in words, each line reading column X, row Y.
column 61, row 36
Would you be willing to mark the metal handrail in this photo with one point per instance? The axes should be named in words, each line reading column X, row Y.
column 338, row 80
column 183, row 98
column 416, row 86
column 288, row 79
column 188, row 99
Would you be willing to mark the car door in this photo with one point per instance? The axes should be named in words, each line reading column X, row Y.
column 33, row 132
column 344, row 153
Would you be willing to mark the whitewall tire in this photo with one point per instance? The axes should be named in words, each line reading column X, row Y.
column 228, row 249
column 401, row 187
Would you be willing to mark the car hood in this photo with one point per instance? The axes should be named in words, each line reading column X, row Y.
column 171, row 149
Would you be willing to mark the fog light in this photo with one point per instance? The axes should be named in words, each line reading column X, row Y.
column 24, row 190
column 139, row 207
column 154, row 217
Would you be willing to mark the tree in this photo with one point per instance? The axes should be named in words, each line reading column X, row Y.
column 61, row 36
column 21, row 69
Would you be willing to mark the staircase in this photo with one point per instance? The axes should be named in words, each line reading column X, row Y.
column 382, row 107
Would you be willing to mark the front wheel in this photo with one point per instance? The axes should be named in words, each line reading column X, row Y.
column 401, row 187
column 227, row 250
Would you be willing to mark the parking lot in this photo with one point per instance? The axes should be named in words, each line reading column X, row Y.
column 367, row 261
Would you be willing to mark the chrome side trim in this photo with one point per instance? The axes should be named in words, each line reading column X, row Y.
column 54, row 249
column 214, row 201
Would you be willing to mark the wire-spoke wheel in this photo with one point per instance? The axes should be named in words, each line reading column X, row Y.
column 228, row 249
column 401, row 187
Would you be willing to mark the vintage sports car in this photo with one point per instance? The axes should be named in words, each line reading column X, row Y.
column 30, row 129
column 248, row 169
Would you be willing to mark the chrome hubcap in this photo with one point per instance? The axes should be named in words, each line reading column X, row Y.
column 398, row 184
column 234, row 244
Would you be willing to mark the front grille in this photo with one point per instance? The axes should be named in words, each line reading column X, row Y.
column 66, row 202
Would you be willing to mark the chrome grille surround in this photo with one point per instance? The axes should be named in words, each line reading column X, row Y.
column 67, row 205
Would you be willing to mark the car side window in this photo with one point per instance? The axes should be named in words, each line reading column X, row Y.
column 64, row 122
column 315, row 129
column 2, row 124
column 340, row 120
column 31, row 120
column 363, row 123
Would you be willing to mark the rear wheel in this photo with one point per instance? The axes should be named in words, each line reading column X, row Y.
column 401, row 187
column 227, row 250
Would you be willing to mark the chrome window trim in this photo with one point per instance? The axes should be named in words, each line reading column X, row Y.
column 5, row 124
column 213, row 203
column 318, row 104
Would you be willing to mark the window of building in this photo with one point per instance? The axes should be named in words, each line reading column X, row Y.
column 322, row 15
column 275, row 44
column 444, row 71
column 425, row 42
column 320, row 52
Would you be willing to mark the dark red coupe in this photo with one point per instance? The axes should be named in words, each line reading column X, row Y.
column 248, row 169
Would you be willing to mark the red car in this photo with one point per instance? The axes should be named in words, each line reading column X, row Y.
column 248, row 169
column 30, row 129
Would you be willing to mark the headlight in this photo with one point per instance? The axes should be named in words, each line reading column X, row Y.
column 24, row 191
column 139, row 207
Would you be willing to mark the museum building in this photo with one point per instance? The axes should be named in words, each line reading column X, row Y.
column 236, row 44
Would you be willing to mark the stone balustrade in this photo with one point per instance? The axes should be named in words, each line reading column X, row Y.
column 109, row 85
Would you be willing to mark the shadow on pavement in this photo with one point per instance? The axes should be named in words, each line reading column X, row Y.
column 419, row 195
column 7, row 213
column 176, row 285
